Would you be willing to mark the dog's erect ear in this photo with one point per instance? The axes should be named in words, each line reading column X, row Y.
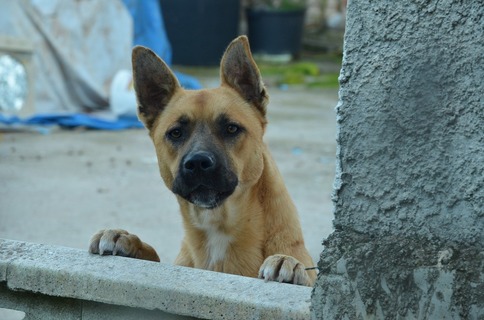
column 154, row 84
column 239, row 71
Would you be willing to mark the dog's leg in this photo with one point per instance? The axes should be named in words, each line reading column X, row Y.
column 121, row 243
column 184, row 258
column 286, row 257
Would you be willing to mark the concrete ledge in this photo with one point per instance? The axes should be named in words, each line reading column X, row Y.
column 71, row 273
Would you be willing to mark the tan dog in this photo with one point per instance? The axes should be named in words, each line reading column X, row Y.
column 237, row 213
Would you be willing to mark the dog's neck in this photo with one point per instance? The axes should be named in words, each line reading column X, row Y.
column 234, row 213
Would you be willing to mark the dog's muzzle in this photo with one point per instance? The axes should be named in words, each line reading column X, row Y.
column 204, row 179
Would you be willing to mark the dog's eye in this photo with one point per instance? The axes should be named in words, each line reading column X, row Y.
column 175, row 134
column 232, row 129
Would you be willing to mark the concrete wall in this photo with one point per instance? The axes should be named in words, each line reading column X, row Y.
column 49, row 282
column 409, row 188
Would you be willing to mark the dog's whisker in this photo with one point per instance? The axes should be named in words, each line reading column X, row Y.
column 312, row 268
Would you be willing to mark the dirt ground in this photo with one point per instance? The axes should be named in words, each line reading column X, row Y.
column 61, row 187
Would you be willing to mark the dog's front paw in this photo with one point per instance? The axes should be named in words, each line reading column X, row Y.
column 284, row 268
column 122, row 243
column 115, row 242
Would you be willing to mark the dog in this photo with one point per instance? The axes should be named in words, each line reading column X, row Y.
column 237, row 213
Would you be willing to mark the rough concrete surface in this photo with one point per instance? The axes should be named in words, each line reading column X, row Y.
column 72, row 273
column 409, row 188
column 411, row 119
column 62, row 187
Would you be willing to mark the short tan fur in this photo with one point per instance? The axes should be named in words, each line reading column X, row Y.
column 246, row 223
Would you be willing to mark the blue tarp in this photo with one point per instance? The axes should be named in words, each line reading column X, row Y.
column 73, row 121
column 149, row 31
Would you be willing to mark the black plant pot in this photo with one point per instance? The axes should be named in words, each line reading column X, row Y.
column 200, row 30
column 274, row 32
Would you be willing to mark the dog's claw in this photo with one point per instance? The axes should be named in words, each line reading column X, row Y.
column 112, row 241
column 118, row 242
column 284, row 268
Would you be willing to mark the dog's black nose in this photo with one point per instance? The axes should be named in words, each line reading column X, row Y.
column 199, row 162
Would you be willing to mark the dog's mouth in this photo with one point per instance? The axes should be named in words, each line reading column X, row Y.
column 204, row 180
column 207, row 198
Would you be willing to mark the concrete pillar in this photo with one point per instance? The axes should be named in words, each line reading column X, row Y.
column 409, row 188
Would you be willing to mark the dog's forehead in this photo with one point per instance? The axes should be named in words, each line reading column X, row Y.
column 209, row 104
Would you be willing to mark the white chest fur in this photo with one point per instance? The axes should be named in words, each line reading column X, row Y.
column 217, row 242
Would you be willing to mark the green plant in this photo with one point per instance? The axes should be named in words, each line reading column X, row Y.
column 304, row 73
column 283, row 5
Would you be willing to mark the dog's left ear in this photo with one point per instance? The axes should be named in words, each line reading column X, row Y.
column 239, row 71
column 154, row 84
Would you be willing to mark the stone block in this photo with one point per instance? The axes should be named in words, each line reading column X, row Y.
column 72, row 273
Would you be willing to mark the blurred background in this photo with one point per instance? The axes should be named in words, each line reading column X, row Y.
column 74, row 56
column 75, row 159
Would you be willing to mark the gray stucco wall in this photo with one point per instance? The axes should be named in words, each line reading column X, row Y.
column 409, row 188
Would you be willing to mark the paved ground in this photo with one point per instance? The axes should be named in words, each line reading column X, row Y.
column 61, row 187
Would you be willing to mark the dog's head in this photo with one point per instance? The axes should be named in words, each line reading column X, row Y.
column 208, row 142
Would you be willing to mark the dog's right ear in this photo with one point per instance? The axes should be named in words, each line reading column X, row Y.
column 154, row 84
column 239, row 71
